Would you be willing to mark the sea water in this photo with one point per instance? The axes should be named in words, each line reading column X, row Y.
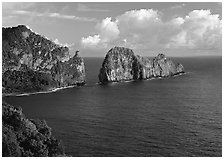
column 178, row 116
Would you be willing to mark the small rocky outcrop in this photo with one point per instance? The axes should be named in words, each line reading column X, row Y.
column 22, row 137
column 120, row 64
column 32, row 63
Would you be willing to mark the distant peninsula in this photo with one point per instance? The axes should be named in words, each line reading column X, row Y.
column 33, row 63
column 121, row 64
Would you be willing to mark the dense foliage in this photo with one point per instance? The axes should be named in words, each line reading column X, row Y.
column 24, row 137
column 26, row 81
column 31, row 62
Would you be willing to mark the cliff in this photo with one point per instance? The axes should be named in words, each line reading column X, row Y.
column 32, row 63
column 25, row 137
column 120, row 64
column 117, row 65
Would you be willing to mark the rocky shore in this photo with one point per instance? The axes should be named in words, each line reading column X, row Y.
column 121, row 64
column 22, row 137
column 33, row 63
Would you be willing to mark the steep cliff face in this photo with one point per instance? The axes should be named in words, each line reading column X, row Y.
column 31, row 62
column 164, row 67
column 117, row 65
column 25, row 137
column 120, row 64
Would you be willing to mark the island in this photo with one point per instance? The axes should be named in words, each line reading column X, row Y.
column 121, row 64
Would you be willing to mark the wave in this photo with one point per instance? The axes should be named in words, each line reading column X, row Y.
column 181, row 74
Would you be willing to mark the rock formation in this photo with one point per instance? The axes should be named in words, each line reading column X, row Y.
column 120, row 64
column 31, row 62
column 25, row 137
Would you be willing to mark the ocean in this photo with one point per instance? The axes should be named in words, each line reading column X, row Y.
column 178, row 116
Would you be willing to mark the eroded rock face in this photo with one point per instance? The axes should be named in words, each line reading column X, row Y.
column 31, row 62
column 120, row 64
column 22, row 137
column 117, row 65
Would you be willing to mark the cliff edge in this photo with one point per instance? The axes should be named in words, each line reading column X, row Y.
column 120, row 64
column 32, row 63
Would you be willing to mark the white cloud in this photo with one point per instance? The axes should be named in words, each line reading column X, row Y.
column 21, row 12
column 131, row 26
column 139, row 27
column 53, row 15
column 57, row 15
column 108, row 32
column 56, row 41
column 145, row 29
column 142, row 15
column 91, row 41
column 137, row 20
column 199, row 29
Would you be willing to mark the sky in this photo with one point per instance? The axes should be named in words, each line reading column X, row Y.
column 149, row 28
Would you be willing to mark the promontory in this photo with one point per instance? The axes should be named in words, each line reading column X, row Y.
column 33, row 63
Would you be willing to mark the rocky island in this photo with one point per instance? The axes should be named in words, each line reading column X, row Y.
column 22, row 137
column 121, row 64
column 33, row 63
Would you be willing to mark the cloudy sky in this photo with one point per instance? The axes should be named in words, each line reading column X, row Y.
column 176, row 29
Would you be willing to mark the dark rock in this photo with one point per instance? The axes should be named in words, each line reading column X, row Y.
column 33, row 63
column 120, row 64
column 25, row 137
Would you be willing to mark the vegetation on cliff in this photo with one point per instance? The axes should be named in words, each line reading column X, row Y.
column 25, row 137
column 31, row 62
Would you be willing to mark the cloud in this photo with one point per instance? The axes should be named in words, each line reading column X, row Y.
column 21, row 12
column 131, row 26
column 91, row 41
column 56, row 41
column 145, row 29
column 198, row 30
column 138, row 19
column 85, row 8
column 108, row 32
column 62, row 16
column 53, row 15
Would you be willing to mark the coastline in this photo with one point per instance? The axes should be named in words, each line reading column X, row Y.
column 41, row 92
column 98, row 83
column 148, row 79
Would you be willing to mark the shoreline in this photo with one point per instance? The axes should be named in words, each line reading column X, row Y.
column 41, row 92
column 148, row 79
column 98, row 83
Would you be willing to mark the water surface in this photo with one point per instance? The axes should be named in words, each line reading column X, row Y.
column 179, row 116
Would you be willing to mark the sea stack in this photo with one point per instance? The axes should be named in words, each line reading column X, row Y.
column 121, row 64
column 33, row 63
